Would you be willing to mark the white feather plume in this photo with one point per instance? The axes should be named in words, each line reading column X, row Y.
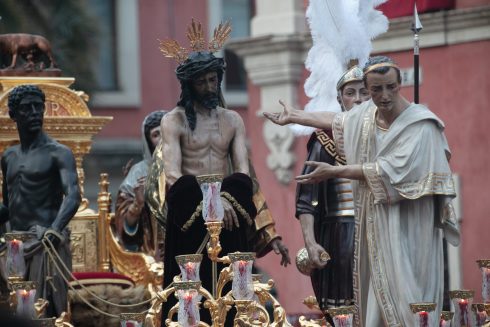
column 341, row 30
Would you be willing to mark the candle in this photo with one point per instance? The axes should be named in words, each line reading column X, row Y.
column 484, row 265
column 25, row 303
column 342, row 316
column 479, row 313
column 190, row 271
column 15, row 263
column 132, row 319
column 242, row 284
column 446, row 318
column 422, row 312
column 423, row 319
column 342, row 321
column 212, row 207
column 188, row 314
column 242, row 267
column 486, row 285
column 463, row 312
column 189, row 266
column 480, row 318
column 462, row 302
column 189, row 310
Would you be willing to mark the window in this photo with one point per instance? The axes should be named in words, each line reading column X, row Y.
column 118, row 64
column 239, row 12
column 105, row 65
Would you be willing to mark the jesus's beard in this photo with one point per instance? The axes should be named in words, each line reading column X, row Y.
column 209, row 101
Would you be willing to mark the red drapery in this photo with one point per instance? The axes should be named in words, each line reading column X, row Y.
column 400, row 8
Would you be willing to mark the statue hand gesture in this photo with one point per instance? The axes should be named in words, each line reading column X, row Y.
column 322, row 171
column 280, row 118
column 279, row 248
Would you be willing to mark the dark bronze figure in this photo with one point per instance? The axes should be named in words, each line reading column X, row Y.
column 40, row 193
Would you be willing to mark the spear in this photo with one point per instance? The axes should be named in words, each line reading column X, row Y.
column 416, row 28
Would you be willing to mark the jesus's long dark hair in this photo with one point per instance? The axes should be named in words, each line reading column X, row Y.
column 197, row 64
column 188, row 96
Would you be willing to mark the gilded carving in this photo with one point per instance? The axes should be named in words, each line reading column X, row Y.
column 84, row 243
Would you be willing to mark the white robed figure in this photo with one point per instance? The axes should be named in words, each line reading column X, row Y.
column 398, row 158
column 398, row 257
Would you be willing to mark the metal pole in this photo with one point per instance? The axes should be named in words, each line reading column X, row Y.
column 416, row 28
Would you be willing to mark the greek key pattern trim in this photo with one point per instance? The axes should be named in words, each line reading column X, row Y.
column 432, row 184
column 329, row 146
column 376, row 185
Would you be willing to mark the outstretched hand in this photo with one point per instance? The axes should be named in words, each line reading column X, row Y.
column 322, row 171
column 280, row 118
column 280, row 248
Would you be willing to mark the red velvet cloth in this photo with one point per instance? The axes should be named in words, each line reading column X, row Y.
column 400, row 8
column 97, row 278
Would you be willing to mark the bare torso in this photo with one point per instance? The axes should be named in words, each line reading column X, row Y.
column 219, row 135
column 35, row 182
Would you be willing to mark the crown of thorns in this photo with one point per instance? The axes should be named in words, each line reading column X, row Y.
column 172, row 49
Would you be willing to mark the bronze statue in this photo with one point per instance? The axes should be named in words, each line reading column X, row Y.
column 40, row 194
column 30, row 47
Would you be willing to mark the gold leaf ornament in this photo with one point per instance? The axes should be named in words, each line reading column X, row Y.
column 195, row 36
column 220, row 35
column 172, row 49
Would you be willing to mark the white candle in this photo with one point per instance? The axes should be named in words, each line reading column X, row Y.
column 15, row 258
column 242, row 285
column 485, row 287
column 25, row 303
column 343, row 320
column 423, row 319
column 464, row 317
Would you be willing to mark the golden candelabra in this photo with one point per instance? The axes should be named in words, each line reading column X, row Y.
column 250, row 310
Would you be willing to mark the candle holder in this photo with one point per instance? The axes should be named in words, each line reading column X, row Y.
column 212, row 212
column 245, row 312
column 132, row 319
column 484, row 265
column 23, row 298
column 342, row 316
column 188, row 295
column 189, row 266
column 212, row 208
column 242, row 285
column 422, row 313
column 446, row 318
column 480, row 315
column 214, row 245
column 462, row 300
column 15, row 263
